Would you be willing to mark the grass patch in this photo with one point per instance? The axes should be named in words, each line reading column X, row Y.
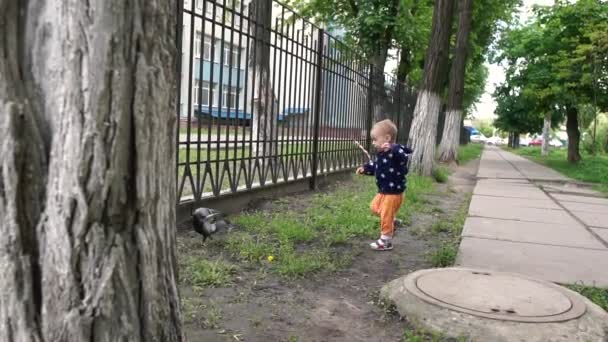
column 592, row 169
column 441, row 173
column 469, row 152
column 306, row 241
column 203, row 273
column 445, row 254
column 595, row 294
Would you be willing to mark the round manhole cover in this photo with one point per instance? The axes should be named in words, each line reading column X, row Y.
column 496, row 295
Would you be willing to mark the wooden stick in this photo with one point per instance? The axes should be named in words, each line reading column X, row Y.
column 363, row 149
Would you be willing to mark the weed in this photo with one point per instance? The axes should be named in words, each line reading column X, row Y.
column 441, row 174
column 441, row 226
column 444, row 256
column 597, row 295
column 203, row 273
column 251, row 248
column 214, row 317
column 468, row 152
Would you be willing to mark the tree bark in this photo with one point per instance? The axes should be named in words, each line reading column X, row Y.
column 574, row 134
column 378, row 61
column 87, row 176
column 424, row 126
column 546, row 129
column 265, row 104
column 448, row 149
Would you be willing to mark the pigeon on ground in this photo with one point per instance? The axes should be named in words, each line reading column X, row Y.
column 207, row 222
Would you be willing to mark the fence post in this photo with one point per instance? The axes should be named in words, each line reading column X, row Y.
column 370, row 109
column 317, row 112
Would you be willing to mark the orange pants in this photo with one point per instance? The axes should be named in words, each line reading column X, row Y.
column 387, row 206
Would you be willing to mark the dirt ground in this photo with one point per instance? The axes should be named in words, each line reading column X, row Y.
column 339, row 306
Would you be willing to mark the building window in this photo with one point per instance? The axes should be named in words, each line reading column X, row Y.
column 197, row 44
column 195, row 92
column 229, row 97
column 199, row 5
column 207, row 48
column 204, row 93
column 231, row 56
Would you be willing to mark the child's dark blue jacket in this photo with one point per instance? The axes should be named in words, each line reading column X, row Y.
column 390, row 169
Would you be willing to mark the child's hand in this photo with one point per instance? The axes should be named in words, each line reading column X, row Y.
column 360, row 171
column 386, row 146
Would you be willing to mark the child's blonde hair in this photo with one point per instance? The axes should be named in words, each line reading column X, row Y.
column 385, row 127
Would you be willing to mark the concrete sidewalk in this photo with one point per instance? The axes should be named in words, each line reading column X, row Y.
column 526, row 218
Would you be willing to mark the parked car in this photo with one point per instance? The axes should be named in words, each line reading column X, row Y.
column 495, row 141
column 478, row 138
column 556, row 143
column 536, row 142
column 524, row 142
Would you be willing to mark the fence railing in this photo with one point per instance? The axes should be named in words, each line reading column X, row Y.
column 268, row 97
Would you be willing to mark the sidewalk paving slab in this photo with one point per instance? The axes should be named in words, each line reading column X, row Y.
column 519, row 192
column 479, row 202
column 558, row 217
column 564, row 265
column 603, row 233
column 581, row 199
column 593, row 219
column 541, row 233
column 585, row 207
column 514, row 226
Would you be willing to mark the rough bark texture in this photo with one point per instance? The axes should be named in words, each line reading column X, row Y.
column 574, row 134
column 546, row 130
column 448, row 149
column 265, row 105
column 378, row 61
column 424, row 126
column 87, row 177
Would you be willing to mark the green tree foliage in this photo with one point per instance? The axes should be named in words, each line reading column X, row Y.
column 555, row 63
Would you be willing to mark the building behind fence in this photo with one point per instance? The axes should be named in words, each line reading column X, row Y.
column 321, row 101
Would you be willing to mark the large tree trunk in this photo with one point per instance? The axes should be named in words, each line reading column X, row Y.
column 378, row 61
column 265, row 104
column 87, row 175
column 546, row 130
column 448, row 149
column 424, row 126
column 574, row 134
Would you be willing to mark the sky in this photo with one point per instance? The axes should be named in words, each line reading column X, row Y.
column 486, row 105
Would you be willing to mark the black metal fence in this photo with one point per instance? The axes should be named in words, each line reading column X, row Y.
column 268, row 97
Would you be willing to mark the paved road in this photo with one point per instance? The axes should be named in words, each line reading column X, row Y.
column 529, row 219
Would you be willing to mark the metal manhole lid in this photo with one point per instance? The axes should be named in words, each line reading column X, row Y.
column 496, row 295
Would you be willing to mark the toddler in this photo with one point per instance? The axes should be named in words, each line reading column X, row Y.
column 390, row 169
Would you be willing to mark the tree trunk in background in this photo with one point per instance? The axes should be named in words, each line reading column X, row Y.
column 510, row 142
column 424, row 126
column 546, row 130
column 465, row 137
column 406, row 55
column 448, row 149
column 378, row 61
column 574, row 134
column 87, row 177
column 265, row 105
